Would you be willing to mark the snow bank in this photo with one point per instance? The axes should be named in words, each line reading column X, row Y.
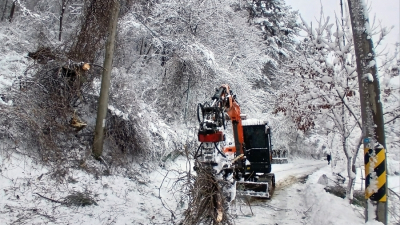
column 298, row 203
column 327, row 208
column 30, row 194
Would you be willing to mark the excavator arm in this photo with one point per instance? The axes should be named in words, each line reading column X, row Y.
column 253, row 180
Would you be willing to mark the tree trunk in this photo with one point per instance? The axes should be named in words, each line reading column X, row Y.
column 352, row 177
column 349, row 192
column 4, row 10
column 63, row 5
column 93, row 31
column 12, row 11
column 351, row 170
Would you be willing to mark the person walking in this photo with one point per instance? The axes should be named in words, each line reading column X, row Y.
column 328, row 157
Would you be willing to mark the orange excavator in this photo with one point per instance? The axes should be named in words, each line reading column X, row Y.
column 248, row 161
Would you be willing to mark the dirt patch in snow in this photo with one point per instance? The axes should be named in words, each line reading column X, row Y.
column 290, row 180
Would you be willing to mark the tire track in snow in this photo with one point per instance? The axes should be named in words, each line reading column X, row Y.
column 287, row 206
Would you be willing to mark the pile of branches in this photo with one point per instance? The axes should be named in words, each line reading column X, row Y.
column 53, row 95
column 54, row 101
column 125, row 139
column 76, row 198
column 47, row 107
column 208, row 204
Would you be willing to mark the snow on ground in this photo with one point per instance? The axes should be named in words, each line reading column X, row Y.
column 297, row 168
column 30, row 195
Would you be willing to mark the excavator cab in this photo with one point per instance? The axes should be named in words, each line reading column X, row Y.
column 257, row 139
column 258, row 180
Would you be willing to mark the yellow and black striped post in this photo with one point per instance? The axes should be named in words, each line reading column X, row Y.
column 375, row 182
column 375, row 175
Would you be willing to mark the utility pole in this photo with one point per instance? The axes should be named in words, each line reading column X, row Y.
column 105, row 82
column 371, row 113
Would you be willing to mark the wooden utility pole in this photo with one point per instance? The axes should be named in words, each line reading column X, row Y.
column 105, row 82
column 371, row 113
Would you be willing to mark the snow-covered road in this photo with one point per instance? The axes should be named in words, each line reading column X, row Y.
column 298, row 199
column 287, row 174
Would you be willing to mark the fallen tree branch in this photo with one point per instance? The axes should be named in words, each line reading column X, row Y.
column 159, row 196
column 52, row 200
column 207, row 204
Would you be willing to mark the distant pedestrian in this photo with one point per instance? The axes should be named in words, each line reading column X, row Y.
column 328, row 157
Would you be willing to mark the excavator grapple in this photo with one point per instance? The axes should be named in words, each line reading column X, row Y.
column 264, row 187
column 254, row 189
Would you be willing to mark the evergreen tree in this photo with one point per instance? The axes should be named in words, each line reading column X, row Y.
column 278, row 23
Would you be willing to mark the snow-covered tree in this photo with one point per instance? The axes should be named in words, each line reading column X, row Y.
column 325, row 93
column 390, row 97
column 186, row 53
column 278, row 23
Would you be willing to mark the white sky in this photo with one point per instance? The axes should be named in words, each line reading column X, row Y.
column 386, row 11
